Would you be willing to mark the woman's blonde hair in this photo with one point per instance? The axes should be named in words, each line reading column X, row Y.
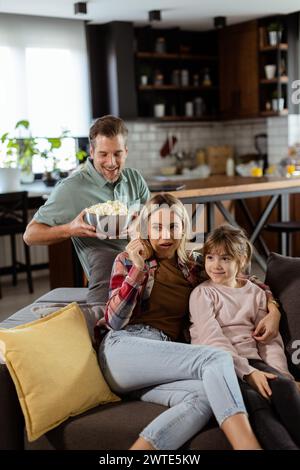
column 231, row 240
column 162, row 201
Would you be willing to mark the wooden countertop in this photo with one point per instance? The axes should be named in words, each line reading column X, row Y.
column 222, row 184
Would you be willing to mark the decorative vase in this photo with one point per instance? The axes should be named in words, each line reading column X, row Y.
column 27, row 176
column 274, row 38
column 9, row 179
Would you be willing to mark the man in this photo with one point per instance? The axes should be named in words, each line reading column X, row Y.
column 103, row 177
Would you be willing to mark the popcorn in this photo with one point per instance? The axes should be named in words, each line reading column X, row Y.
column 108, row 208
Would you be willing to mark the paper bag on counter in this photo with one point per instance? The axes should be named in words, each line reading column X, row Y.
column 217, row 157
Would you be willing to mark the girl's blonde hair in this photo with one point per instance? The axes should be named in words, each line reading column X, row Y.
column 232, row 241
column 162, row 201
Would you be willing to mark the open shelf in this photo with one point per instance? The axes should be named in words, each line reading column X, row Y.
column 281, row 47
column 270, row 113
column 179, row 70
column 272, row 81
column 179, row 88
column 171, row 56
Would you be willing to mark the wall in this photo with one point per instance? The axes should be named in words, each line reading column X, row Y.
column 146, row 139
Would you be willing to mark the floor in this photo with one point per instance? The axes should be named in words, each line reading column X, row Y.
column 15, row 298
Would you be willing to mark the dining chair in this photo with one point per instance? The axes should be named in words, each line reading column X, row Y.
column 13, row 221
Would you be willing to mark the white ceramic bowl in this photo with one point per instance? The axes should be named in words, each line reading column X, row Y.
column 110, row 225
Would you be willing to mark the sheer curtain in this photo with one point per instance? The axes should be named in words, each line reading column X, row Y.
column 44, row 75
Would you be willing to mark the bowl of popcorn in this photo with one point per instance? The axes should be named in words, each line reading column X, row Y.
column 110, row 218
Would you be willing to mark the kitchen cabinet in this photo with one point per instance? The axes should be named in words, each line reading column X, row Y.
column 273, row 66
column 278, row 64
column 239, row 91
column 176, row 74
column 111, row 61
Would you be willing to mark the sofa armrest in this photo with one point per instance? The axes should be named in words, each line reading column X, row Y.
column 12, row 422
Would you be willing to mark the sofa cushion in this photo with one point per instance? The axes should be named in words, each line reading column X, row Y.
column 54, row 368
column 100, row 262
column 283, row 277
column 65, row 295
column 115, row 427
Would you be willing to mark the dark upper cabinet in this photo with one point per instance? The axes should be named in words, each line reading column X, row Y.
column 239, row 90
column 111, row 63
column 178, row 71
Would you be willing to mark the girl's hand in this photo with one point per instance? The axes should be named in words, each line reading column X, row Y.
column 259, row 381
column 268, row 327
column 137, row 252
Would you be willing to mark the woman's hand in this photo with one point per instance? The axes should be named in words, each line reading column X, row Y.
column 268, row 327
column 137, row 252
column 259, row 381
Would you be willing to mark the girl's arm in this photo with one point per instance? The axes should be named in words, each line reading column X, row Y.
column 205, row 329
column 268, row 326
column 125, row 282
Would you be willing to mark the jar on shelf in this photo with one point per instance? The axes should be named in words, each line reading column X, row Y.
column 189, row 109
column 158, row 79
column 196, row 81
column 199, row 106
column 176, row 77
column 184, row 77
column 160, row 45
column 206, row 78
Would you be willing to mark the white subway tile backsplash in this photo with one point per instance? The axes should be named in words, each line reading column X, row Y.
column 145, row 140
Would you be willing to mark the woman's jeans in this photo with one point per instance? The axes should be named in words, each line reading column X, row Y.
column 193, row 381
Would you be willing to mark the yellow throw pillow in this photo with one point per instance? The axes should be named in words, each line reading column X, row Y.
column 54, row 368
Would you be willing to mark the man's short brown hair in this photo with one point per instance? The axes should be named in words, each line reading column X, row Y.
column 108, row 126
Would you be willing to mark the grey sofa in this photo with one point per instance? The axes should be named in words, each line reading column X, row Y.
column 116, row 426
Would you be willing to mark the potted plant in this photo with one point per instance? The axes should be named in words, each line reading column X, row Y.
column 275, row 33
column 144, row 74
column 19, row 150
column 53, row 170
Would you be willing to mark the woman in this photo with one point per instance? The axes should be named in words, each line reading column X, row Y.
column 149, row 297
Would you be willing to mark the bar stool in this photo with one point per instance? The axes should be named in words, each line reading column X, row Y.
column 288, row 227
column 13, row 221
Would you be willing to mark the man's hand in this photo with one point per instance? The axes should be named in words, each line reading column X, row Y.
column 268, row 327
column 259, row 381
column 137, row 253
column 79, row 228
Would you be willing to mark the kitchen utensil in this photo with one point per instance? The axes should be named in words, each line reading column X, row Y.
column 261, row 146
column 168, row 146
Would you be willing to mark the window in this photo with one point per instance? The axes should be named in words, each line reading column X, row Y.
column 44, row 78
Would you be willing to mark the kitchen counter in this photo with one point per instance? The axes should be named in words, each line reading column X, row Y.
column 222, row 185
column 210, row 193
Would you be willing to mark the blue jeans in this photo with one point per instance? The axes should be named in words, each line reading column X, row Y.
column 193, row 381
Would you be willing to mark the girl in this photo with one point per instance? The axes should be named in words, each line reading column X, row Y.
column 149, row 295
column 224, row 313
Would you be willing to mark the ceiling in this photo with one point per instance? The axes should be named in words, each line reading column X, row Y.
column 188, row 14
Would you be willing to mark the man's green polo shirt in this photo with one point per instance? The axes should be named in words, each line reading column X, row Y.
column 84, row 188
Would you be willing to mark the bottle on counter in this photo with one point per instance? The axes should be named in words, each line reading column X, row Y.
column 230, row 167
